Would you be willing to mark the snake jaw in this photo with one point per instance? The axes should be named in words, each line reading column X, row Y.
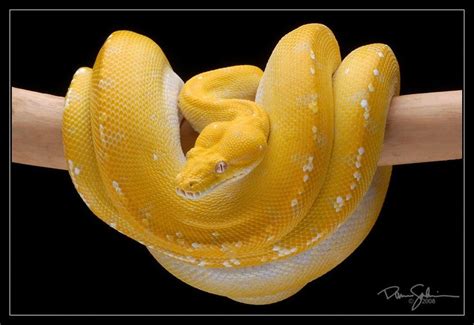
column 196, row 195
column 188, row 195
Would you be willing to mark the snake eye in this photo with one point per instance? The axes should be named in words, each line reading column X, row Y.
column 221, row 166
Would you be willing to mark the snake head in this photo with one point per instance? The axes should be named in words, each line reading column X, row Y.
column 224, row 152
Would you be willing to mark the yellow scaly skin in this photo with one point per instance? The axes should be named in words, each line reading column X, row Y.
column 280, row 185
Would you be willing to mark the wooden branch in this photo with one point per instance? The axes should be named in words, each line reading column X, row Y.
column 420, row 128
column 36, row 129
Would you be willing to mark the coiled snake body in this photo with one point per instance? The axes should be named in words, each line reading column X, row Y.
column 282, row 183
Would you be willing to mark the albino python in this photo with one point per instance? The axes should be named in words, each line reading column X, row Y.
column 282, row 183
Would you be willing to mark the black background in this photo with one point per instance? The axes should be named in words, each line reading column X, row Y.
column 65, row 260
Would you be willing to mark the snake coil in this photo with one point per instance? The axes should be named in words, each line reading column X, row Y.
column 282, row 184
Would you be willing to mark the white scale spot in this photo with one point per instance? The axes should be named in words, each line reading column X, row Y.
column 371, row 88
column 339, row 203
column 294, row 203
column 179, row 234
column 202, row 263
column 358, row 164
column 312, row 71
column 348, row 197
column 313, row 103
column 215, row 234
column 116, row 186
column 238, row 244
column 199, row 77
column 380, row 54
column 376, row 72
column 235, row 261
column 366, row 115
column 270, row 238
column 361, row 151
column 227, row 264
column 284, row 251
column 357, row 175
column 313, row 240
column 305, row 178
column 113, row 225
column 196, row 245
column 105, row 83
column 111, row 50
column 309, row 165
column 155, row 156
column 314, row 129
column 70, row 96
column 353, row 186
column 364, row 103
column 312, row 55
column 346, row 71
column 77, row 171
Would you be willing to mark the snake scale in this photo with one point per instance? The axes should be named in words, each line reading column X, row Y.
column 282, row 183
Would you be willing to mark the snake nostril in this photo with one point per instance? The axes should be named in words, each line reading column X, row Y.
column 192, row 183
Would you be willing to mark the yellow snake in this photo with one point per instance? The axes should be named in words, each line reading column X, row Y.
column 282, row 183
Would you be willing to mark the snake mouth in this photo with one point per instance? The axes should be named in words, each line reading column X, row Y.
column 189, row 195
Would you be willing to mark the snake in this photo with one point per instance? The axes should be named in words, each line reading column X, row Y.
column 282, row 183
